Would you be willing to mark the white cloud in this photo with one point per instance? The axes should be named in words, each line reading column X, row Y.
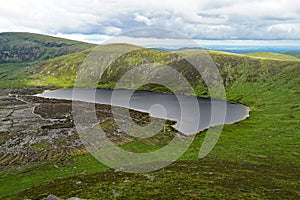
column 91, row 38
column 223, row 19
column 288, row 28
column 110, row 30
column 143, row 19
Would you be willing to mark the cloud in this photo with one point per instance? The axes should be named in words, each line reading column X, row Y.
column 110, row 30
column 91, row 38
column 205, row 19
column 143, row 19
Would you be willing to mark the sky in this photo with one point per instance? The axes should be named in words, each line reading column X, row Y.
column 98, row 20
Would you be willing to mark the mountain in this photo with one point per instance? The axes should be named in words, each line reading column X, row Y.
column 293, row 53
column 28, row 47
column 177, row 49
column 61, row 71
column 20, row 50
column 276, row 56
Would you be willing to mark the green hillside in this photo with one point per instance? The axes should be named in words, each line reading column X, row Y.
column 293, row 53
column 276, row 56
column 27, row 47
column 19, row 50
column 257, row 158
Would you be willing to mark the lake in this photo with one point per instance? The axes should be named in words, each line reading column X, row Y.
column 192, row 114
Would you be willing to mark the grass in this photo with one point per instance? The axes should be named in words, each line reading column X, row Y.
column 276, row 56
column 20, row 54
column 257, row 158
column 18, row 47
column 16, row 180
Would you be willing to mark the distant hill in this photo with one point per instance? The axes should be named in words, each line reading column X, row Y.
column 27, row 47
column 276, row 56
column 54, row 67
column 178, row 49
column 293, row 53
column 61, row 71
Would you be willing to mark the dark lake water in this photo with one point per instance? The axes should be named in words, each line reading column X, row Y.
column 192, row 114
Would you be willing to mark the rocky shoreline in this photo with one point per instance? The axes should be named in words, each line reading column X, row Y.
column 34, row 129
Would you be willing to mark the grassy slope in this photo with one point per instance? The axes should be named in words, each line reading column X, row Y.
column 255, row 158
column 26, row 74
column 293, row 53
column 27, row 47
column 276, row 56
column 19, row 50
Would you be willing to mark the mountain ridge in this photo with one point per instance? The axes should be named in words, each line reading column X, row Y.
column 17, row 47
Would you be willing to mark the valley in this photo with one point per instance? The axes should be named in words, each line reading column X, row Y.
column 256, row 158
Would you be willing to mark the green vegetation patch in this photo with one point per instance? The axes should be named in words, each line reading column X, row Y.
column 277, row 56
